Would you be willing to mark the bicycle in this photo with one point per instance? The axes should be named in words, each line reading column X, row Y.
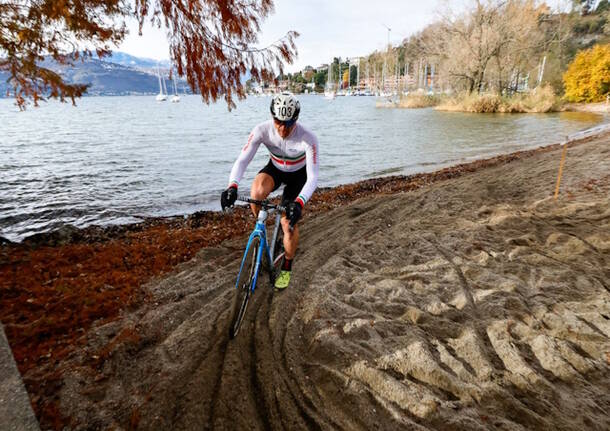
column 257, row 248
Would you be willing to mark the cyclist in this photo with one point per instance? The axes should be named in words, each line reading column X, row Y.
column 293, row 151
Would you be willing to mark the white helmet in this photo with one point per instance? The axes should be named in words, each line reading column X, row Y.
column 285, row 107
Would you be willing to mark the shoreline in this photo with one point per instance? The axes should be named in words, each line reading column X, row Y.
column 595, row 108
column 58, row 286
column 69, row 234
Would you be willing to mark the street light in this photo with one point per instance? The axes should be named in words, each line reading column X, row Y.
column 384, row 71
column 389, row 31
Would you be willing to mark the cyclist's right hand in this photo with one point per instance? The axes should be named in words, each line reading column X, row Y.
column 228, row 197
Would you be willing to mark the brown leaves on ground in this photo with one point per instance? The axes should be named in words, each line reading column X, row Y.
column 52, row 294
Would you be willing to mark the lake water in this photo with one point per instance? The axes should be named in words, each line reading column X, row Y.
column 112, row 159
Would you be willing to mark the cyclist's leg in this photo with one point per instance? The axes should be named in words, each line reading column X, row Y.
column 291, row 242
column 294, row 184
column 262, row 186
column 266, row 181
column 291, row 239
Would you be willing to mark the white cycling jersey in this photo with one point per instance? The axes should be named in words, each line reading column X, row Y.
column 299, row 149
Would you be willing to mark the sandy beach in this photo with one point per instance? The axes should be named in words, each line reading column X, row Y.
column 601, row 107
column 463, row 299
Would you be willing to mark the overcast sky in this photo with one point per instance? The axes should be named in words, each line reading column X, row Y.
column 337, row 28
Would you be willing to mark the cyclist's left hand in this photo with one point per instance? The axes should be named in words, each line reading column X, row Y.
column 293, row 212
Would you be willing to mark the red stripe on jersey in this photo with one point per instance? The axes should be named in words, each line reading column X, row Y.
column 287, row 162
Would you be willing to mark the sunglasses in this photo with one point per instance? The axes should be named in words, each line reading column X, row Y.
column 288, row 123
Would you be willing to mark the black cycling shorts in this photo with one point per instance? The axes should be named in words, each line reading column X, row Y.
column 294, row 180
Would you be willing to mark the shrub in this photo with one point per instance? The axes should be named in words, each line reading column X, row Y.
column 486, row 103
column 588, row 76
column 419, row 100
column 541, row 99
column 463, row 102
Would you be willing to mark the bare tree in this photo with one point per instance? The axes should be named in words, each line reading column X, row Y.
column 487, row 45
column 522, row 42
column 212, row 42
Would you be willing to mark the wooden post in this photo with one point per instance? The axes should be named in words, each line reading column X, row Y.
column 563, row 160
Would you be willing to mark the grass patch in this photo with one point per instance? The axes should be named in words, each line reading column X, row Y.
column 539, row 100
column 419, row 100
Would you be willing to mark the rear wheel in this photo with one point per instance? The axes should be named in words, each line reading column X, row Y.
column 244, row 288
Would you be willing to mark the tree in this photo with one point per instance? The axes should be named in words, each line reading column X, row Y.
column 345, row 78
column 320, row 78
column 353, row 76
column 467, row 44
column 583, row 6
column 212, row 42
column 308, row 75
column 602, row 6
column 520, row 27
column 588, row 76
column 485, row 48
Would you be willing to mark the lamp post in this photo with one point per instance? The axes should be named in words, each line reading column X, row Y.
column 389, row 31
column 384, row 71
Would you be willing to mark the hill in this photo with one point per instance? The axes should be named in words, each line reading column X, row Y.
column 119, row 74
column 147, row 64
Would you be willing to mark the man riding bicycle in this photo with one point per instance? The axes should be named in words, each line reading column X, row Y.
column 293, row 151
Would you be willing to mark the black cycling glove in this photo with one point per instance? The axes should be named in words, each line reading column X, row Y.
column 293, row 212
column 228, row 197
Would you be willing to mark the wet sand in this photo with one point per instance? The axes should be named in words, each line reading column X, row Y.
column 462, row 299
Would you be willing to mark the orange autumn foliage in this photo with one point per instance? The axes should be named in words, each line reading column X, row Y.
column 588, row 76
column 211, row 42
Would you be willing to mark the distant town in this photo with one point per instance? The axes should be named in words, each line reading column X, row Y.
column 353, row 76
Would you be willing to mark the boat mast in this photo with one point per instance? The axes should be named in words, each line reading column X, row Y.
column 159, row 77
column 339, row 75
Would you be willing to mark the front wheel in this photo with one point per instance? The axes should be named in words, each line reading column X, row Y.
column 244, row 288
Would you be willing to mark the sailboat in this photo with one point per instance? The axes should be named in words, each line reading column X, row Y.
column 161, row 96
column 175, row 97
column 164, row 86
column 329, row 92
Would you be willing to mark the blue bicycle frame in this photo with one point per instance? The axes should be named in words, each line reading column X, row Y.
column 260, row 231
column 243, row 290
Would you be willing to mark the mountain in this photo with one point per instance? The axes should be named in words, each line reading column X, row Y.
column 120, row 74
column 128, row 60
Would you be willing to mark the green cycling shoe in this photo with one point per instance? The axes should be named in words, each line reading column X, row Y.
column 283, row 279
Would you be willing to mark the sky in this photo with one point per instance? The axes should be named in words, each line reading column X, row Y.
column 328, row 28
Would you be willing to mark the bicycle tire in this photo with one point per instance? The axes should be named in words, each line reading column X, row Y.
column 244, row 288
